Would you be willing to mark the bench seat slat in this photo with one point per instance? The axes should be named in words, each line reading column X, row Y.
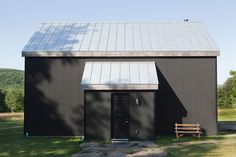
column 188, row 132
column 187, row 128
column 187, row 124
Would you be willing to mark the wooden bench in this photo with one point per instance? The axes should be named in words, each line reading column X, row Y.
column 181, row 129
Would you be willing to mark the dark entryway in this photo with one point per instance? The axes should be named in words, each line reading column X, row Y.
column 120, row 115
column 102, row 120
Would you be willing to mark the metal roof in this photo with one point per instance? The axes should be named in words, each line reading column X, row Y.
column 119, row 75
column 121, row 39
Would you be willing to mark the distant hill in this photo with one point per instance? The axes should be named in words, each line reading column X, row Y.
column 11, row 78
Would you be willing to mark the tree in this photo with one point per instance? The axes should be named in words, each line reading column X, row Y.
column 233, row 77
column 226, row 95
column 3, row 105
column 14, row 99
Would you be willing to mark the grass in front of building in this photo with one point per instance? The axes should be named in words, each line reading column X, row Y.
column 222, row 145
column 13, row 143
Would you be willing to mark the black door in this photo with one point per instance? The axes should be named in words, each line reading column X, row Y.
column 120, row 116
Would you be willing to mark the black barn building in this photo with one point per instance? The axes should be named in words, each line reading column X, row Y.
column 119, row 80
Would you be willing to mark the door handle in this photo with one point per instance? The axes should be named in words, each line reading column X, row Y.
column 126, row 121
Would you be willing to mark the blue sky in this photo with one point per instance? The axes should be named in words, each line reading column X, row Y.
column 19, row 19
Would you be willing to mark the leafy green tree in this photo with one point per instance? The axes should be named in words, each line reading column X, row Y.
column 3, row 105
column 226, row 97
column 233, row 76
column 14, row 99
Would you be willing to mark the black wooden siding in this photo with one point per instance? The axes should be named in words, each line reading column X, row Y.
column 142, row 116
column 98, row 115
column 54, row 101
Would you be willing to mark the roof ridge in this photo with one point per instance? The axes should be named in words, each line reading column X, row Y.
column 121, row 22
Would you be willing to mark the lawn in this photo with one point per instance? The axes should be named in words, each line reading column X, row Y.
column 227, row 115
column 13, row 143
column 223, row 145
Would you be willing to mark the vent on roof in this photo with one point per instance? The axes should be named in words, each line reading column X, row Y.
column 185, row 20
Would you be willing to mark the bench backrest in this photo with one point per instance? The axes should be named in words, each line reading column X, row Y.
column 181, row 127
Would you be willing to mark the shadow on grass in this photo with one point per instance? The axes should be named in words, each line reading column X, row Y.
column 228, row 122
column 229, row 126
column 13, row 143
column 191, row 150
column 169, row 140
column 192, row 146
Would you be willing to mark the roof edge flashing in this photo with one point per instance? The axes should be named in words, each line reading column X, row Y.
column 121, row 87
column 120, row 53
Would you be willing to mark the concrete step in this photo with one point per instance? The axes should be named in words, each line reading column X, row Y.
column 119, row 140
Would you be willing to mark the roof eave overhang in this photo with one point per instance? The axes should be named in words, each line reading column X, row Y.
column 121, row 87
column 120, row 53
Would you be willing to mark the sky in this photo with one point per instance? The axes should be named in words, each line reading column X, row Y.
column 20, row 18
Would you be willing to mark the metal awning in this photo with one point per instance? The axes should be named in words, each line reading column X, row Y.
column 120, row 76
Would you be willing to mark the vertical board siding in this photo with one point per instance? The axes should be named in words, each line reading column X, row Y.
column 54, row 100
column 187, row 93
column 142, row 119
column 98, row 115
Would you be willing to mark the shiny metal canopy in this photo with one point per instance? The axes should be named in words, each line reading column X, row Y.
column 120, row 76
column 121, row 39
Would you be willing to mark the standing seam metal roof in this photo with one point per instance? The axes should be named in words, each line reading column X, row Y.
column 121, row 39
column 120, row 75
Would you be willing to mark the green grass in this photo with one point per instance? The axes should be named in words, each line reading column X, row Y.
column 13, row 143
column 227, row 114
column 222, row 145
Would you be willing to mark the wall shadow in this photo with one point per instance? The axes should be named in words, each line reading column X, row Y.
column 97, row 115
column 169, row 109
column 50, row 108
column 41, row 117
